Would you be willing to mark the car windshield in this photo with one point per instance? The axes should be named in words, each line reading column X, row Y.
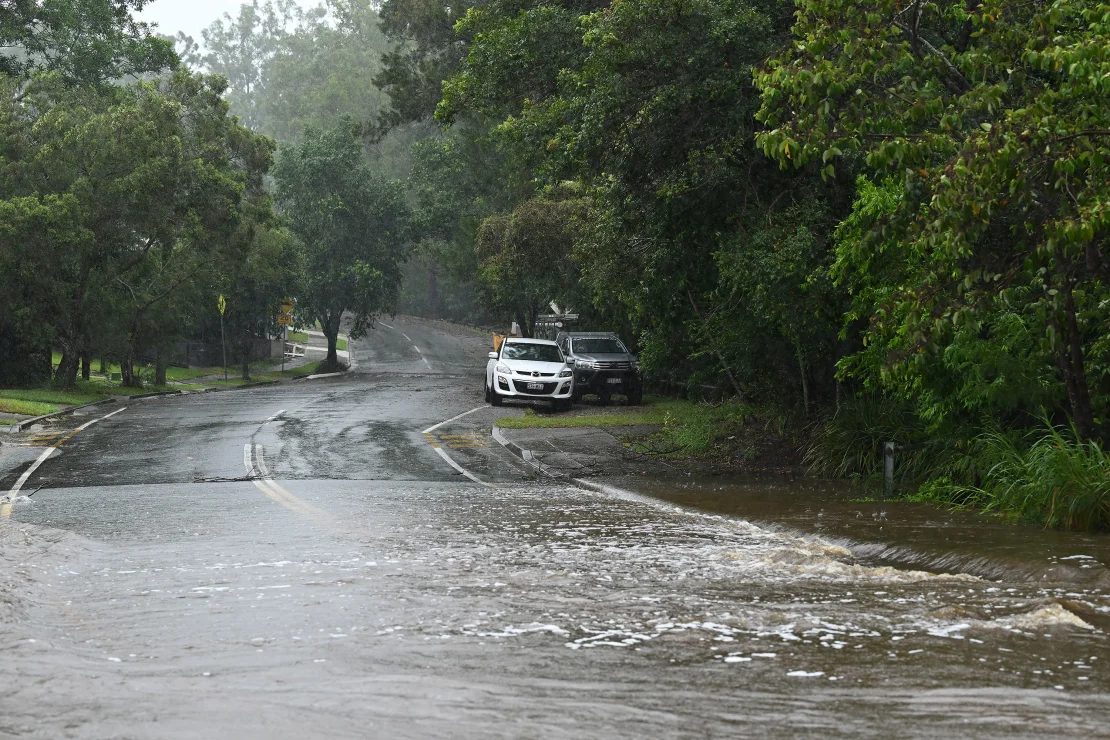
column 532, row 352
column 603, row 346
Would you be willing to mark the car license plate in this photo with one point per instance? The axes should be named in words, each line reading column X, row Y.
column 613, row 381
column 535, row 386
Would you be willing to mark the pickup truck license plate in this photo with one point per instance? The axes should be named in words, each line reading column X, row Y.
column 535, row 386
column 613, row 381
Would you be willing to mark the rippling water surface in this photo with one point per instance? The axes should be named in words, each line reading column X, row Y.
column 709, row 609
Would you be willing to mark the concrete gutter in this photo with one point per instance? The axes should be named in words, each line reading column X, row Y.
column 603, row 488
column 525, row 455
column 21, row 425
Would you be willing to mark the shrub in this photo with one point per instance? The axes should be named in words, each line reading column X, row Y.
column 1056, row 479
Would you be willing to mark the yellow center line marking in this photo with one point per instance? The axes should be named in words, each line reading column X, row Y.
column 255, row 463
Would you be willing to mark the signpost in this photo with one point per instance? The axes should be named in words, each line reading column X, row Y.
column 222, row 305
column 285, row 319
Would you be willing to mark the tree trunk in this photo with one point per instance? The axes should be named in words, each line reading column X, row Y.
column 66, row 374
column 720, row 357
column 127, row 372
column 246, row 373
column 522, row 322
column 160, row 367
column 86, row 369
column 103, row 366
column 1079, row 396
column 330, row 326
column 433, row 290
column 805, row 380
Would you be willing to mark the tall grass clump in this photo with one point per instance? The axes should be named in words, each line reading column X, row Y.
column 849, row 444
column 1051, row 477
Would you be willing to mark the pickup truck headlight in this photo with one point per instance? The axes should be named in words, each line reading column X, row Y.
column 566, row 372
column 585, row 365
column 503, row 369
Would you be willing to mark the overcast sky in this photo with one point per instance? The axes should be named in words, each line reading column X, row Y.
column 189, row 16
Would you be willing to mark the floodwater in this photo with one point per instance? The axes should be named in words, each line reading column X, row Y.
column 426, row 610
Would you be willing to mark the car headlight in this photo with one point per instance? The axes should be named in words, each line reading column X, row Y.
column 566, row 372
column 503, row 369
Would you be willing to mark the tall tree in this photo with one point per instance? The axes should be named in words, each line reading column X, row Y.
column 84, row 41
column 119, row 188
column 992, row 116
column 353, row 226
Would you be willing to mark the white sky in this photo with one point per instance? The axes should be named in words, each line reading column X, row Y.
column 190, row 16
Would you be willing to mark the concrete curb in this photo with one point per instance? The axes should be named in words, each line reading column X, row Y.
column 20, row 426
column 603, row 488
column 525, row 455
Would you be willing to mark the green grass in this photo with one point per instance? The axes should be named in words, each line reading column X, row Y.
column 687, row 428
column 27, row 408
column 46, row 395
column 1051, row 477
column 542, row 421
column 298, row 336
column 341, row 344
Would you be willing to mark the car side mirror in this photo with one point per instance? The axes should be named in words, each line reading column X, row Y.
column 493, row 355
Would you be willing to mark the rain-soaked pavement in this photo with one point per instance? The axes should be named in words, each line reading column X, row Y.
column 300, row 561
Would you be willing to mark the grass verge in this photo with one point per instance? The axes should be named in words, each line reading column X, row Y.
column 27, row 408
column 542, row 421
column 731, row 433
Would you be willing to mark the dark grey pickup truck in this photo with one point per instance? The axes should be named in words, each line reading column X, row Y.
column 603, row 366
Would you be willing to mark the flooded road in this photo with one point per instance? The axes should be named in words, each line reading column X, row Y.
column 358, row 586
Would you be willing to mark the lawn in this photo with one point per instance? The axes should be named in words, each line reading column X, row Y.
column 546, row 421
column 27, row 408
column 685, row 427
column 39, row 401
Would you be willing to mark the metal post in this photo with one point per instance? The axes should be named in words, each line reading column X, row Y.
column 223, row 345
column 888, row 469
column 284, row 339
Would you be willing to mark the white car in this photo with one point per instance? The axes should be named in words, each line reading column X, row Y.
column 529, row 369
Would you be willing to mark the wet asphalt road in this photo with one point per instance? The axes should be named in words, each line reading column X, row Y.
column 359, row 586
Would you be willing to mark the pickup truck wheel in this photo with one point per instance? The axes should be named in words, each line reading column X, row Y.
column 562, row 404
column 604, row 399
column 635, row 398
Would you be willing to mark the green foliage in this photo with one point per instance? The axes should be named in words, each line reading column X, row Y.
column 992, row 118
column 114, row 203
column 84, row 42
column 1053, row 477
column 850, row 442
column 291, row 69
column 525, row 257
column 353, row 226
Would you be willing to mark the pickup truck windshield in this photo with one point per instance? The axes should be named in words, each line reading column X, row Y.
column 599, row 347
column 532, row 352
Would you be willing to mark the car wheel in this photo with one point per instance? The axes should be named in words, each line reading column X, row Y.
column 485, row 389
column 635, row 398
column 494, row 397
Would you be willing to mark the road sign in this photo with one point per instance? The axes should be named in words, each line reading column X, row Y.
column 222, row 305
column 288, row 305
column 285, row 319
